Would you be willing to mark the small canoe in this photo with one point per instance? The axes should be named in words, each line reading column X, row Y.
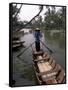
column 46, row 69
column 18, row 42
column 16, row 45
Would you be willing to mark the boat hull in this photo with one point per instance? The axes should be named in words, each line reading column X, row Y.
column 46, row 69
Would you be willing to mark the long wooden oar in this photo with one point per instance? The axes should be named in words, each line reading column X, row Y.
column 25, row 49
column 47, row 47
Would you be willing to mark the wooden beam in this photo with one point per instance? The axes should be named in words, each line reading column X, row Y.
column 18, row 11
column 43, row 59
column 56, row 69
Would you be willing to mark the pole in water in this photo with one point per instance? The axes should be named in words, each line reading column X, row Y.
column 47, row 47
column 25, row 49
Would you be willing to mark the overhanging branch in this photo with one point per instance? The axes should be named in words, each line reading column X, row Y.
column 41, row 8
column 18, row 11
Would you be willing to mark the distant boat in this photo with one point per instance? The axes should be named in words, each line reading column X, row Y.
column 17, row 43
column 25, row 30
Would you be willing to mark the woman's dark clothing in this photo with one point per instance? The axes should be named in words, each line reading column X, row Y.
column 37, row 35
column 37, row 46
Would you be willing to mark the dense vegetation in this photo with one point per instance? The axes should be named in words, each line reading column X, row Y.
column 53, row 19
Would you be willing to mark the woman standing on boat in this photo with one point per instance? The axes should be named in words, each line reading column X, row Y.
column 37, row 35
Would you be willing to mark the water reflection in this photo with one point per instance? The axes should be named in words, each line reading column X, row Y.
column 23, row 70
column 56, row 38
column 56, row 42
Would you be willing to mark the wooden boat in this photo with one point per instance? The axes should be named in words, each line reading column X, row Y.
column 17, row 44
column 46, row 69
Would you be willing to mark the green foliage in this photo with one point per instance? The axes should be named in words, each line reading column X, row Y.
column 15, row 19
column 53, row 19
column 37, row 22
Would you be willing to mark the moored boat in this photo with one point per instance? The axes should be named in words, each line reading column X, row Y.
column 46, row 69
column 17, row 44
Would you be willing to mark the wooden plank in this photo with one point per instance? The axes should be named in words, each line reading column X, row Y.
column 51, row 81
column 56, row 69
column 60, row 77
column 47, row 77
column 17, row 45
column 40, row 82
column 37, row 53
column 41, row 67
column 51, row 60
column 45, row 54
column 53, row 64
column 48, row 69
column 42, row 59
column 44, row 66
column 48, row 66
column 16, row 42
